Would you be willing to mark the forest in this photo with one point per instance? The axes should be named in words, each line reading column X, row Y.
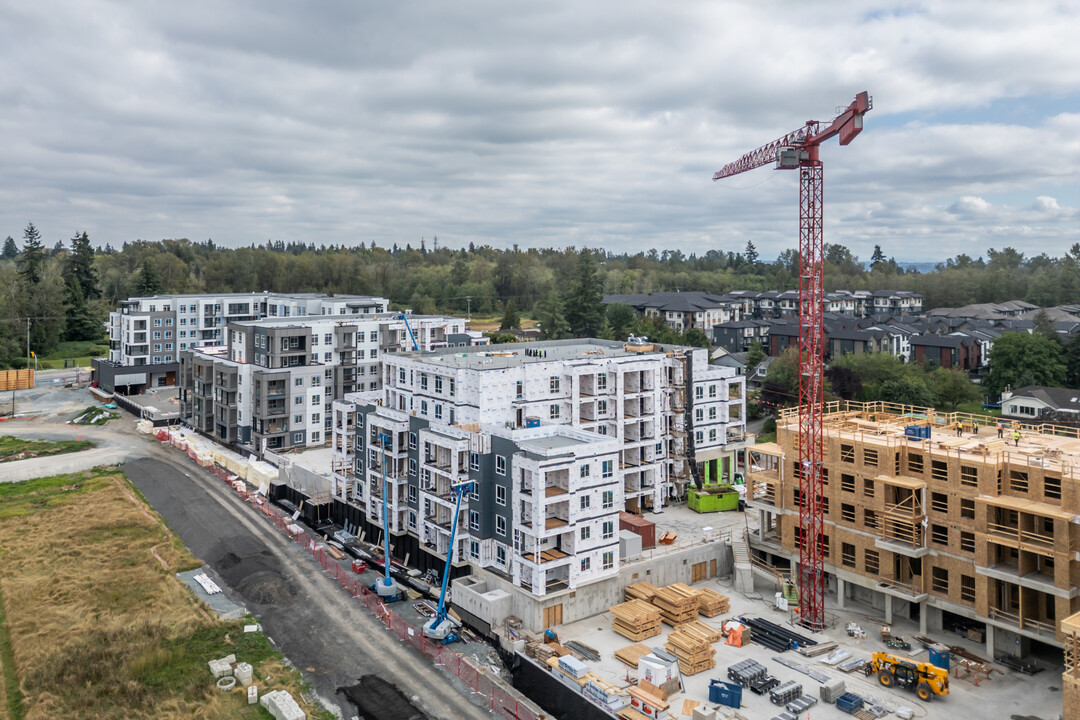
column 67, row 288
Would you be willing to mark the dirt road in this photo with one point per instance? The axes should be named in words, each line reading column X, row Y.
column 326, row 633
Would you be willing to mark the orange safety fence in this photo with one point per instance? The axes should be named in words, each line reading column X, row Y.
column 500, row 702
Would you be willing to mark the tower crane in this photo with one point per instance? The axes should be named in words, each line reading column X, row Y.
column 799, row 149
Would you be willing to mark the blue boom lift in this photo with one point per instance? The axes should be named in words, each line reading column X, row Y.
column 386, row 589
column 443, row 628
column 405, row 319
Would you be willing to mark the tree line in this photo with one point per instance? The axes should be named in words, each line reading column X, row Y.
column 67, row 291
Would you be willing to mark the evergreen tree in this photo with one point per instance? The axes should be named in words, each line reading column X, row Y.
column 621, row 318
column 877, row 258
column 11, row 250
column 57, row 248
column 550, row 316
column 751, row 253
column 1045, row 326
column 1072, row 363
column 80, row 267
column 149, row 282
column 585, row 311
column 33, row 256
column 511, row 318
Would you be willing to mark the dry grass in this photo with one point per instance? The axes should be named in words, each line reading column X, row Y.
column 98, row 627
column 491, row 324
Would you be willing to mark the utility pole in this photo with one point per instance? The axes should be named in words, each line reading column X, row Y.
column 27, row 343
column 468, row 309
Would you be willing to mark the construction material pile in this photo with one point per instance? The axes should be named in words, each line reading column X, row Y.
column 678, row 603
column 636, row 620
column 712, row 603
column 641, row 591
column 632, row 653
column 692, row 648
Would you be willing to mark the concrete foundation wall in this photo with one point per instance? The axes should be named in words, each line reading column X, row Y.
column 595, row 598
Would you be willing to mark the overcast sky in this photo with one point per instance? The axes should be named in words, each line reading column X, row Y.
column 543, row 123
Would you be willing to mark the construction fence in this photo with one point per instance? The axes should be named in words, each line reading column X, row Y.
column 494, row 696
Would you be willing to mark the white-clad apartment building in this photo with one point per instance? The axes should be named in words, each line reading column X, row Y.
column 557, row 436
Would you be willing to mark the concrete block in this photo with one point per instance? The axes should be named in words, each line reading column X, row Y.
column 242, row 672
column 253, row 694
column 282, row 706
column 220, row 668
column 704, row 713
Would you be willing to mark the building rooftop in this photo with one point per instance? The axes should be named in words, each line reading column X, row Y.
column 492, row 357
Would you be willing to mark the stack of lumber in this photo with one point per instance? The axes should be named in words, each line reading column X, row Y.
column 636, row 620
column 712, row 603
column 678, row 603
column 641, row 591
column 713, row 633
column 632, row 653
column 692, row 648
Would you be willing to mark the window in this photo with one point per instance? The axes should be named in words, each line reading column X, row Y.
column 500, row 495
column 608, row 499
column 939, row 470
column 939, row 502
column 586, row 531
column 500, row 464
column 870, row 457
column 712, row 413
column 438, row 384
column 607, row 468
column 412, row 467
column 712, row 435
column 298, row 419
column 915, row 463
column 553, row 383
column 423, row 407
column 609, row 529
column 847, row 483
column 967, row 541
column 316, row 399
column 438, row 411
column 412, row 519
column 316, row 381
column 601, row 381
column 297, row 438
column 712, row 391
column 601, row 407
column 412, row 441
column 869, row 518
column 412, row 493
column 500, row 555
column 609, row 560
column 584, row 470
column 474, row 550
column 939, row 534
column 500, row 525
column 939, row 580
column 699, row 437
column 847, row 512
column 585, row 564
column 847, row 555
column 298, row 400
column 474, row 461
column 474, row 521
column 1052, row 487
column 870, row 562
column 967, row 588
column 796, row 497
column 553, row 412
column 1018, row 481
column 847, row 453
column 868, row 487
column 699, row 415
column 315, row 417
column 967, row 508
column 699, row 393
column 520, row 390
column 423, row 381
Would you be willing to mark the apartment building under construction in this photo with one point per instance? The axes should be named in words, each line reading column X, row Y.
column 942, row 524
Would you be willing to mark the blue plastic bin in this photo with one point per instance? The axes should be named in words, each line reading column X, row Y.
column 725, row 693
column 849, row 703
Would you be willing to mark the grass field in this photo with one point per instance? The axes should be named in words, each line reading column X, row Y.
column 99, row 627
column 79, row 353
column 18, row 448
column 490, row 323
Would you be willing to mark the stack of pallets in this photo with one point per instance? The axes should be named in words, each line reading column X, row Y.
column 636, row 620
column 712, row 603
column 641, row 591
column 692, row 648
column 678, row 603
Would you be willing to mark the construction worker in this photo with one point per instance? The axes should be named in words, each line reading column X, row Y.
column 959, row 428
column 1000, row 429
column 975, row 425
column 1016, row 437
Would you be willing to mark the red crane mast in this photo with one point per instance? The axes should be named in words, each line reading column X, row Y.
column 800, row 149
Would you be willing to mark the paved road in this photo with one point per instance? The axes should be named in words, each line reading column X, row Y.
column 323, row 631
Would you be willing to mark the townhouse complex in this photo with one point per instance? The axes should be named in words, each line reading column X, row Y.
column 147, row 334
column 270, row 385
column 972, row 529
column 557, row 437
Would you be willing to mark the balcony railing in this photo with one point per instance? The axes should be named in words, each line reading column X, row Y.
column 1036, row 626
column 1022, row 537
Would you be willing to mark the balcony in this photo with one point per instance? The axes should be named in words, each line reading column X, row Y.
column 551, row 555
column 553, row 522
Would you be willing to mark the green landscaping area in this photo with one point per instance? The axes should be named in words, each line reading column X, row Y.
column 17, row 448
column 94, row 623
column 73, row 354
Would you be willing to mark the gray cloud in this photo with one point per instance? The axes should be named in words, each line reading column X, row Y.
column 540, row 124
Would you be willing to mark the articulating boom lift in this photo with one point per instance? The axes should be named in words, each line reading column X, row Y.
column 386, row 589
column 405, row 319
column 799, row 149
column 442, row 627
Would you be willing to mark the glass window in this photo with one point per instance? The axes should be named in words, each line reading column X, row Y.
column 474, row 520
column 585, row 532
column 500, row 495
column 500, row 525
column 609, row 529
column 500, row 555
column 500, row 465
